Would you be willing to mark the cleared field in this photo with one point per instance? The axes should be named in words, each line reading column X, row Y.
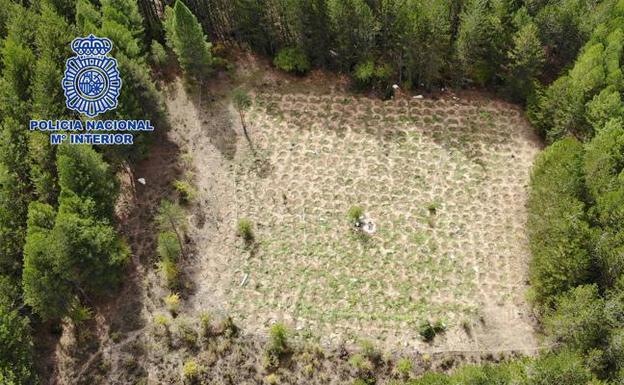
column 444, row 181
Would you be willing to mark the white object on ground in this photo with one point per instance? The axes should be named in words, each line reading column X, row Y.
column 395, row 86
column 418, row 97
column 142, row 181
column 244, row 281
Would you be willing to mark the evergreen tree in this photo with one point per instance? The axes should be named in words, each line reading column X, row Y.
column 45, row 291
column 83, row 173
column 242, row 102
column 526, row 59
column 16, row 365
column 81, row 254
column 481, row 40
column 315, row 31
column 189, row 42
column 578, row 319
column 88, row 18
column 603, row 168
column 559, row 233
column 14, row 194
column 354, row 29
column 17, row 64
column 250, row 25
column 426, row 41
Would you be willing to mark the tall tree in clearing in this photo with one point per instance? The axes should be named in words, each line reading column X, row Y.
column 242, row 102
column 186, row 37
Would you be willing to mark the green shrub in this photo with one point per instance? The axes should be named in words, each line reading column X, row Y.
column 170, row 273
column 578, row 320
column 292, row 59
column 278, row 339
column 365, row 72
column 161, row 320
column 172, row 301
column 205, row 325
column 277, row 346
column 159, row 55
column 168, row 246
column 245, row 230
column 191, row 372
column 354, row 214
column 361, row 363
column 403, row 367
column 428, row 331
column 186, row 191
column 370, row 351
column 563, row 368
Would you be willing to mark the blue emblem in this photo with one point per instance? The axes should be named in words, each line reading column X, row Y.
column 91, row 82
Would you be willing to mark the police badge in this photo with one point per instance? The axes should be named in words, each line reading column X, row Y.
column 91, row 82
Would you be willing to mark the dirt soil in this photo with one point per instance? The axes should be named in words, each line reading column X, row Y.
column 444, row 180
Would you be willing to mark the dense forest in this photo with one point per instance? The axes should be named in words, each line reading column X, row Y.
column 563, row 60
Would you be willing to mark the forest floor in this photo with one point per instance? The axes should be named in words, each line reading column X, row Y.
column 444, row 178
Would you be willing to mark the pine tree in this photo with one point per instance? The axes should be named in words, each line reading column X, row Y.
column 16, row 348
column 189, row 42
column 14, row 193
column 354, row 28
column 315, row 30
column 87, row 17
column 426, row 41
column 480, row 42
column 526, row 59
column 83, row 173
column 17, row 64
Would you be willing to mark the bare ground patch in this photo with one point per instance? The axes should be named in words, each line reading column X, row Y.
column 444, row 181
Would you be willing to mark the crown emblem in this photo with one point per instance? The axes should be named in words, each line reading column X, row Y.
column 91, row 45
column 92, row 83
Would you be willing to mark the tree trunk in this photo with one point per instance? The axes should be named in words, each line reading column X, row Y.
column 242, row 118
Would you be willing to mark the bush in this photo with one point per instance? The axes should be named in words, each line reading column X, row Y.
column 403, row 367
column 205, row 325
column 293, row 60
column 278, row 339
column 369, row 351
column 191, row 372
column 159, row 55
column 277, row 347
column 428, row 331
column 170, row 273
column 168, row 246
column 563, row 368
column 578, row 320
column 368, row 73
column 245, row 230
column 361, row 363
column 354, row 214
column 172, row 301
column 185, row 190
